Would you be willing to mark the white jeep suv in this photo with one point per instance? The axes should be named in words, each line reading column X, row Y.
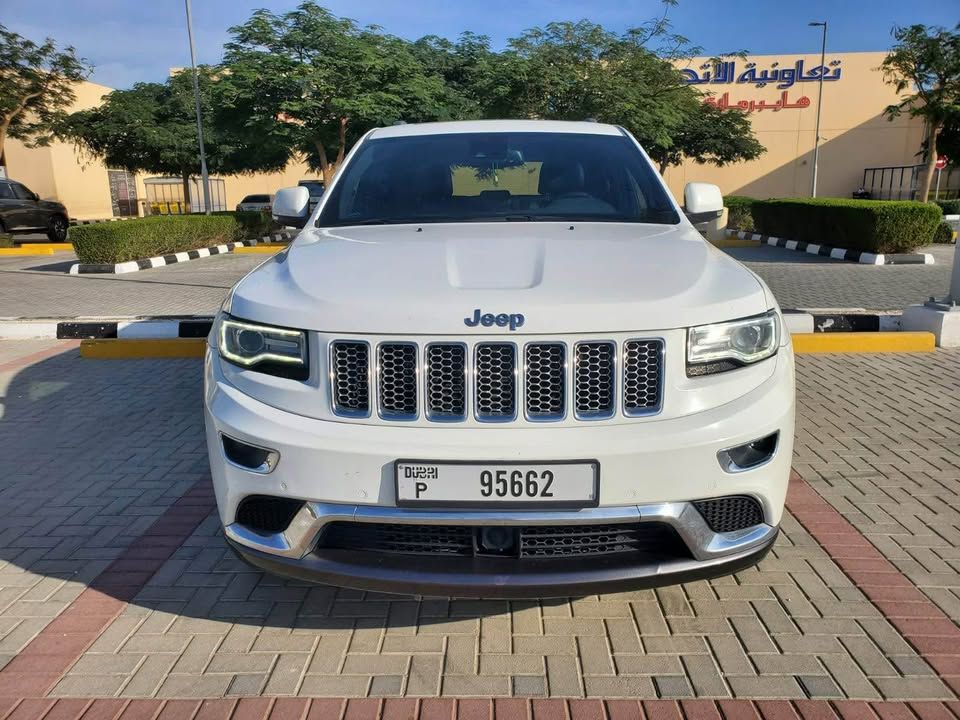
column 499, row 361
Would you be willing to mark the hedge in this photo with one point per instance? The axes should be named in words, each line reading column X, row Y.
column 949, row 207
column 877, row 226
column 255, row 223
column 6, row 240
column 115, row 242
column 943, row 234
column 739, row 214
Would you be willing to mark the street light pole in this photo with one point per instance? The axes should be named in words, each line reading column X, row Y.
column 823, row 71
column 196, row 96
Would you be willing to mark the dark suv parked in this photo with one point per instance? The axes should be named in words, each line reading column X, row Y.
column 22, row 211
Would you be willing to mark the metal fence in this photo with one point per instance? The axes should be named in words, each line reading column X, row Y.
column 165, row 196
column 901, row 182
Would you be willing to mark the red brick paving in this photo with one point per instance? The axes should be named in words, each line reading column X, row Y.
column 475, row 709
column 921, row 623
column 41, row 664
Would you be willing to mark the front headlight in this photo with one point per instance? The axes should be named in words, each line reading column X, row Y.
column 727, row 346
column 264, row 348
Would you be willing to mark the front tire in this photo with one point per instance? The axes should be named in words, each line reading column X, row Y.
column 57, row 229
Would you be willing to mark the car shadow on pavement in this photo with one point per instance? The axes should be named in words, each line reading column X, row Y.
column 96, row 451
column 769, row 254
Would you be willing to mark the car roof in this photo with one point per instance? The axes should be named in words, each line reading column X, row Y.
column 495, row 126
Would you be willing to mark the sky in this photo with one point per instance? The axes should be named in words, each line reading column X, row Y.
column 129, row 41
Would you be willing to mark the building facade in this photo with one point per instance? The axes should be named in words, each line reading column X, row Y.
column 90, row 190
column 779, row 92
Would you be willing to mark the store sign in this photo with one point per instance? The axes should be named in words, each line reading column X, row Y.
column 782, row 103
column 724, row 73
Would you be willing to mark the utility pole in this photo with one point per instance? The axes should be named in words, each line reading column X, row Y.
column 823, row 71
column 196, row 96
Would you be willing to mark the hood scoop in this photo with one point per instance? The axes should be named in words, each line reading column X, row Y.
column 517, row 263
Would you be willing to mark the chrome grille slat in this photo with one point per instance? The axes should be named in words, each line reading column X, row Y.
column 495, row 382
column 642, row 381
column 545, row 376
column 397, row 380
column 446, row 371
column 350, row 378
column 594, row 379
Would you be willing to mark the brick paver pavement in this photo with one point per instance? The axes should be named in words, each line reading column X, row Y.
column 38, row 287
column 112, row 444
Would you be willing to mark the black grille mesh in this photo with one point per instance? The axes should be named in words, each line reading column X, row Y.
column 351, row 377
column 593, row 379
column 546, row 372
column 642, row 361
column 267, row 514
column 397, row 379
column 446, row 381
column 532, row 541
column 496, row 381
column 727, row 514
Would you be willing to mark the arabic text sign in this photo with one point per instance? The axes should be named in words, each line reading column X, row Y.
column 725, row 72
column 782, row 103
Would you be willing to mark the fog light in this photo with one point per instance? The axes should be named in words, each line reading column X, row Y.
column 249, row 457
column 750, row 455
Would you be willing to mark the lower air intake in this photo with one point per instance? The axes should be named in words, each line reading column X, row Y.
column 267, row 514
column 727, row 514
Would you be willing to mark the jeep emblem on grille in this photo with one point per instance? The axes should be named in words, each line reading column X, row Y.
column 513, row 320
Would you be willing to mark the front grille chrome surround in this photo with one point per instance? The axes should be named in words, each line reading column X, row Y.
column 642, row 377
column 595, row 380
column 545, row 381
column 495, row 381
column 397, row 384
column 446, row 381
column 350, row 378
column 542, row 380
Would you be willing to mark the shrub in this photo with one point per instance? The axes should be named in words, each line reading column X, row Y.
column 878, row 226
column 255, row 223
column 739, row 212
column 943, row 234
column 949, row 207
column 6, row 240
column 114, row 242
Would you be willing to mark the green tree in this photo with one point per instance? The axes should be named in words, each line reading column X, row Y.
column 924, row 67
column 36, row 84
column 710, row 135
column 152, row 127
column 317, row 82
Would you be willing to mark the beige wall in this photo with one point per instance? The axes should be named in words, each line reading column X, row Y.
column 853, row 132
column 61, row 172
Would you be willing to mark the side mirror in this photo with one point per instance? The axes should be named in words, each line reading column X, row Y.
column 291, row 206
column 36, row 198
column 702, row 202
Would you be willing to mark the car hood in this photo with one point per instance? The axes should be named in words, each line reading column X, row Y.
column 563, row 278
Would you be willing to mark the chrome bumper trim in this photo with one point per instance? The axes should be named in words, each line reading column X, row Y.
column 300, row 537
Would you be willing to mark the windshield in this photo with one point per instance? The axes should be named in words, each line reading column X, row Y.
column 484, row 177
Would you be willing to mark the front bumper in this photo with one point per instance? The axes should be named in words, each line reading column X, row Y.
column 293, row 553
column 651, row 471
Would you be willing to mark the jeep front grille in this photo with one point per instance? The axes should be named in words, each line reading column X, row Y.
column 541, row 381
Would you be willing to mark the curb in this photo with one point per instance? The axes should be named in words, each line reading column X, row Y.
column 74, row 221
column 197, row 326
column 857, row 256
column 803, row 344
column 863, row 342
column 130, row 329
column 163, row 260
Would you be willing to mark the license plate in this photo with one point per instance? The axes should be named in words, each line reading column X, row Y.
column 573, row 484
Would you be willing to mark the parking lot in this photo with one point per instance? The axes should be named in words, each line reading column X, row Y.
column 39, row 286
column 116, row 583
